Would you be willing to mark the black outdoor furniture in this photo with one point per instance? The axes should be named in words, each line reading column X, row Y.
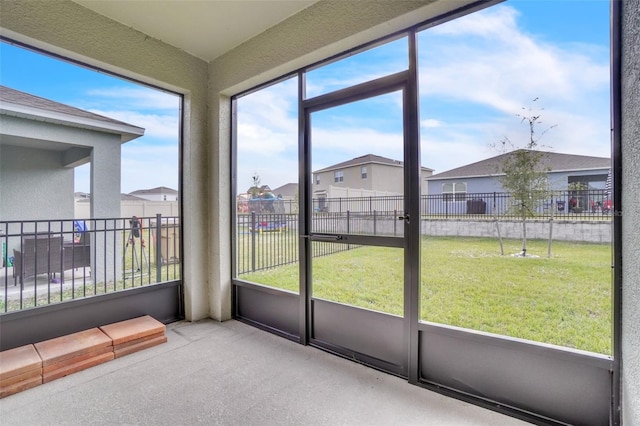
column 40, row 254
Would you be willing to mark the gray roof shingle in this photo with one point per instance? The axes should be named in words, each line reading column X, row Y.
column 365, row 159
column 287, row 190
column 158, row 190
column 553, row 161
column 17, row 97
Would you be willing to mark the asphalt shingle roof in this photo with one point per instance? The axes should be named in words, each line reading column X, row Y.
column 553, row 161
column 158, row 190
column 17, row 97
column 287, row 190
column 365, row 159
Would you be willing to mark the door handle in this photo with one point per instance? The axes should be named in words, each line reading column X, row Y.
column 405, row 217
column 324, row 237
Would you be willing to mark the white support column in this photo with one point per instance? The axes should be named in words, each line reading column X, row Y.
column 105, row 204
column 630, row 374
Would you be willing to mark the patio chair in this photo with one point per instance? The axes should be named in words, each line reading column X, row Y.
column 77, row 253
column 41, row 254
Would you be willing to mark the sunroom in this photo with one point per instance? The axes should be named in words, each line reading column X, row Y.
column 364, row 284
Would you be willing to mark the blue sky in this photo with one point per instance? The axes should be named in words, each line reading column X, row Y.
column 476, row 73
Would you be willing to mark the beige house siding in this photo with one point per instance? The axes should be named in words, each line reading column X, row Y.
column 381, row 178
column 386, row 178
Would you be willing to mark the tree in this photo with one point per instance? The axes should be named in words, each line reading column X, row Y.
column 524, row 174
column 576, row 190
column 255, row 185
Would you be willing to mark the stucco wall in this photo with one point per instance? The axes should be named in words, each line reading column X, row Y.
column 563, row 230
column 34, row 185
column 57, row 140
column 65, row 28
column 631, row 212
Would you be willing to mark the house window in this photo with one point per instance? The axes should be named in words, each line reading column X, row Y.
column 317, row 179
column 363, row 172
column 338, row 176
column 454, row 191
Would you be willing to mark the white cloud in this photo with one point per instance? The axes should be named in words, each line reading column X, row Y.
column 148, row 166
column 365, row 66
column 135, row 98
column 485, row 68
column 158, row 126
column 486, row 58
column 151, row 160
column 268, row 136
column 430, row 123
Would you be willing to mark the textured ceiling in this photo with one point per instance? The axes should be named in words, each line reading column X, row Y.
column 203, row 28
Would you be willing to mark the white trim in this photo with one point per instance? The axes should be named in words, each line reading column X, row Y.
column 127, row 131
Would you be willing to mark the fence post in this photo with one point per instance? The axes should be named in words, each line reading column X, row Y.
column 348, row 222
column 159, row 246
column 494, row 202
column 253, row 241
column 395, row 221
column 375, row 228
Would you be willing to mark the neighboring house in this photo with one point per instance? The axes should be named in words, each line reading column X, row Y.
column 483, row 177
column 130, row 205
column 288, row 194
column 288, row 191
column 161, row 193
column 366, row 176
column 41, row 142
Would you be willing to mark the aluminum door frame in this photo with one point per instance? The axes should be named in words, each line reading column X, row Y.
column 403, row 363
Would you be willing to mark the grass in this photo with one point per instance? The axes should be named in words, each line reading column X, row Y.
column 563, row 300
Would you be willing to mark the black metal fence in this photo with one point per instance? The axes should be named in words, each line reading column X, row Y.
column 50, row 261
column 359, row 204
column 265, row 241
column 268, row 240
column 578, row 204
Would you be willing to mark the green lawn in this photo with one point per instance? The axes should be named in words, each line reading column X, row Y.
column 564, row 300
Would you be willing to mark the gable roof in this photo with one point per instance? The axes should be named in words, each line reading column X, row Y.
column 129, row 197
column 366, row 159
column 287, row 190
column 21, row 104
column 158, row 190
column 553, row 161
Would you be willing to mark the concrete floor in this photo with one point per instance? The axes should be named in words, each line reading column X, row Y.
column 233, row 374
